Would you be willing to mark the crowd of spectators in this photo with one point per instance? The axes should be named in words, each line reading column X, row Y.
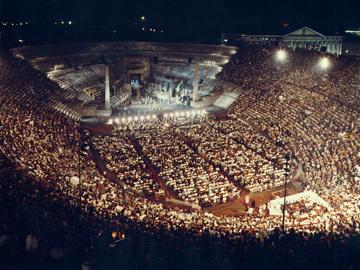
column 240, row 162
column 281, row 109
column 184, row 171
column 121, row 158
column 42, row 230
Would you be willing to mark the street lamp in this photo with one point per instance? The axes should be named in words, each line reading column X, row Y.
column 286, row 174
column 83, row 146
column 1, row 129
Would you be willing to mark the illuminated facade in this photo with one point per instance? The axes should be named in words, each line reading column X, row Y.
column 305, row 38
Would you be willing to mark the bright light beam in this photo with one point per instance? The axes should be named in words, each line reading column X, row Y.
column 324, row 63
column 281, row 55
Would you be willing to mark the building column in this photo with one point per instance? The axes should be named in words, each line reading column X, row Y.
column 196, row 95
column 107, row 88
column 340, row 48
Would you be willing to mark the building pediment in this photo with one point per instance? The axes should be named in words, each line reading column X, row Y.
column 304, row 32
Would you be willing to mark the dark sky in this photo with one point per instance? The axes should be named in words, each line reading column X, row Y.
column 208, row 15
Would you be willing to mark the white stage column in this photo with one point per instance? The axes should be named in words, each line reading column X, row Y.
column 107, row 88
column 196, row 95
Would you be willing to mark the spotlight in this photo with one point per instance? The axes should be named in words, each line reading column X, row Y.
column 324, row 63
column 153, row 116
column 142, row 118
column 110, row 122
column 148, row 117
column 281, row 55
column 136, row 118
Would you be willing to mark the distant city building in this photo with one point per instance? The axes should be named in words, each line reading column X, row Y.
column 352, row 44
column 305, row 38
column 355, row 32
column 351, row 48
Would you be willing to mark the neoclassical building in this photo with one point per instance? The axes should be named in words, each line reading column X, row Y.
column 304, row 37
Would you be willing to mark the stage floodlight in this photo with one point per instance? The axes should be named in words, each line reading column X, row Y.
column 324, row 63
column 281, row 55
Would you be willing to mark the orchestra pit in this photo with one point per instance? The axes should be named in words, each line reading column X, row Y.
column 171, row 147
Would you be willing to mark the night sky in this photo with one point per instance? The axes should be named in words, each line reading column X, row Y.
column 195, row 17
